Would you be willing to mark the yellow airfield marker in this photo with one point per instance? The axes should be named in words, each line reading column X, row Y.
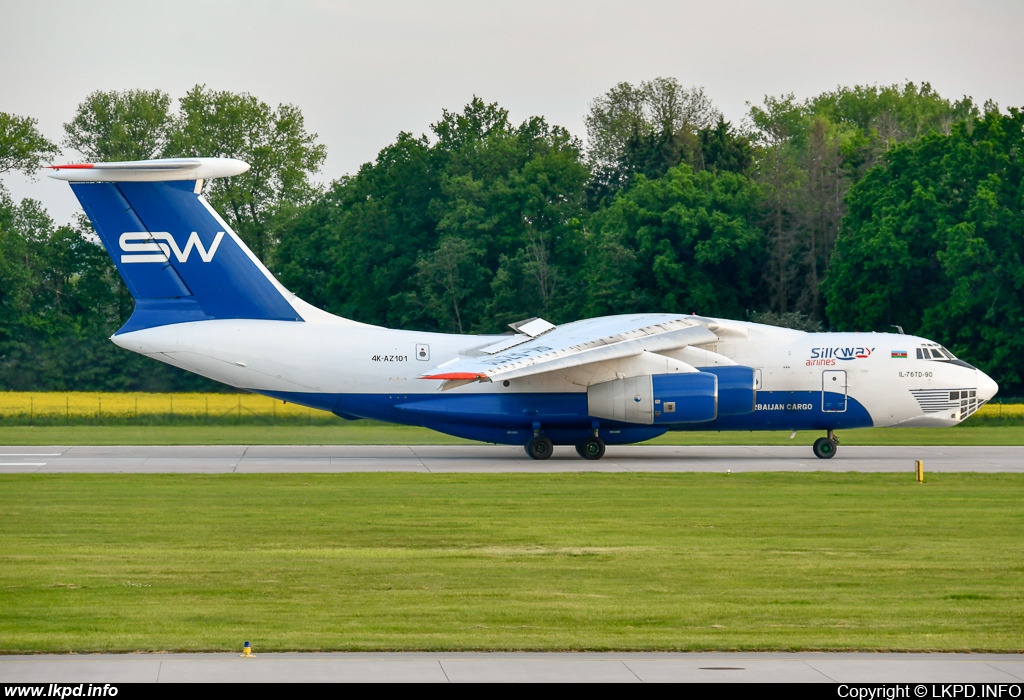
column 919, row 471
column 247, row 652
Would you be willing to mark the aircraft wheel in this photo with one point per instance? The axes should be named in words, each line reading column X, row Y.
column 591, row 448
column 540, row 447
column 825, row 448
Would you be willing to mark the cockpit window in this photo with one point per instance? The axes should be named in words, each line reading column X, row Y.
column 933, row 351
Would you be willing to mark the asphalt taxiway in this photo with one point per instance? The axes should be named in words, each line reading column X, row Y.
column 526, row 667
column 253, row 459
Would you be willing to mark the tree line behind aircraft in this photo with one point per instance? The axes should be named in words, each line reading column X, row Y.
column 858, row 209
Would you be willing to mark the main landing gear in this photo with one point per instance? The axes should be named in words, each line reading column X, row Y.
column 540, row 447
column 591, row 448
column 825, row 447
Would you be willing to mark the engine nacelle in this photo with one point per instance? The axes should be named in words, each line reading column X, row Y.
column 736, row 394
column 661, row 398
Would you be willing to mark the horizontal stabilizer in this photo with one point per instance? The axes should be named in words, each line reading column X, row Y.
column 159, row 170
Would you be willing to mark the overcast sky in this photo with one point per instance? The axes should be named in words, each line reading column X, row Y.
column 363, row 71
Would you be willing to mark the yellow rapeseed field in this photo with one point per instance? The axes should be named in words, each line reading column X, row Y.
column 1002, row 410
column 99, row 405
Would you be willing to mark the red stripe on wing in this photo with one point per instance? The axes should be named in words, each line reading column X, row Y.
column 456, row 375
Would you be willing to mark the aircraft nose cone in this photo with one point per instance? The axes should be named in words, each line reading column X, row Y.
column 987, row 387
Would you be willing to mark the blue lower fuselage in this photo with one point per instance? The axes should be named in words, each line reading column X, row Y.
column 512, row 418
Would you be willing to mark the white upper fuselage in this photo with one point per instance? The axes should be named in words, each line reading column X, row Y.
column 336, row 356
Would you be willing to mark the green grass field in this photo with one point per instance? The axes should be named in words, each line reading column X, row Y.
column 561, row 561
column 368, row 433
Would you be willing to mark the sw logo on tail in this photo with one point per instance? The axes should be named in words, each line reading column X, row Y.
column 146, row 247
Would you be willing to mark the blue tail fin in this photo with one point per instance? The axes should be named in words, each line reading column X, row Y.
column 179, row 258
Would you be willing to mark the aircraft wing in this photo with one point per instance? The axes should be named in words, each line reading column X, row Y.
column 576, row 344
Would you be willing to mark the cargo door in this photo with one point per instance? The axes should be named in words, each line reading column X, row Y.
column 833, row 391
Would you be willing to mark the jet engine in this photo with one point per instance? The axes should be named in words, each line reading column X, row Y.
column 692, row 397
column 736, row 394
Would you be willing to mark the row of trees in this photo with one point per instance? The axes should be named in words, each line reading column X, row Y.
column 855, row 209
column 60, row 296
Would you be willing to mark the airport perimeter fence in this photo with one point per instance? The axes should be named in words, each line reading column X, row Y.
column 93, row 408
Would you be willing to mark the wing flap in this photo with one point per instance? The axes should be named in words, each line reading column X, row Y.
column 508, row 342
column 582, row 343
column 633, row 366
column 694, row 335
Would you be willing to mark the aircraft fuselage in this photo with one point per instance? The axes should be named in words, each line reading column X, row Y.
column 803, row 381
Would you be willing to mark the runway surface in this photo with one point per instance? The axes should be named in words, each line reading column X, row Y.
column 520, row 667
column 254, row 459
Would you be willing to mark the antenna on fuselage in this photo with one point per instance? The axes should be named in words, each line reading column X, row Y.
column 900, row 329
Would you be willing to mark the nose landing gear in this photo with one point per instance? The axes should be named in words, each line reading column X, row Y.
column 825, row 447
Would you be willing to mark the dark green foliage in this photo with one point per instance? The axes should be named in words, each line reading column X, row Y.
column 877, row 117
column 651, row 155
column 113, row 126
column 60, row 296
column 22, row 147
column 934, row 241
column 646, row 129
column 275, row 144
column 356, row 246
column 810, row 154
column 483, row 222
column 488, row 225
column 139, row 124
column 683, row 243
column 60, row 300
column 790, row 319
column 475, row 230
column 722, row 148
column 716, row 147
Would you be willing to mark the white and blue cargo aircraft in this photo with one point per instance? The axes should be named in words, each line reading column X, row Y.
column 206, row 304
